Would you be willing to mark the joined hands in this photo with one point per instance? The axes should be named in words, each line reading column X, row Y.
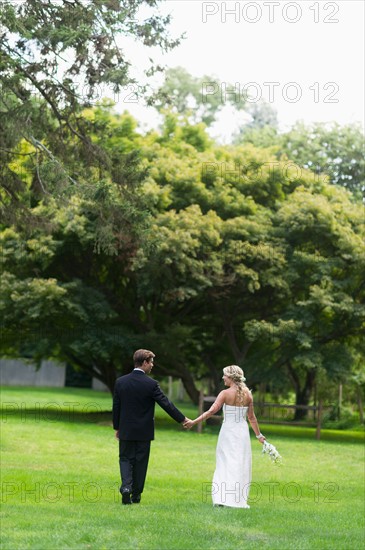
column 188, row 424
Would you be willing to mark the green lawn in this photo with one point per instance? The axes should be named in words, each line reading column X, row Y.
column 60, row 479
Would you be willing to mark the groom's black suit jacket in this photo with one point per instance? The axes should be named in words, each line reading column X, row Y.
column 135, row 395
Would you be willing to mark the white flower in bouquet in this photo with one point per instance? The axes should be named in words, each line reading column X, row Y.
column 273, row 453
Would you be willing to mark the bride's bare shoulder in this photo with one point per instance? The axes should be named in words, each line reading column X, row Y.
column 225, row 396
column 222, row 396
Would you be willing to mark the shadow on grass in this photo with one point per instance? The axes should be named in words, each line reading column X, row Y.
column 52, row 414
column 42, row 414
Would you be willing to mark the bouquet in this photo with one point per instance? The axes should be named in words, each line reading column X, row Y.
column 269, row 449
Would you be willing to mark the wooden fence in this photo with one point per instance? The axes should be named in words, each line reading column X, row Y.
column 278, row 414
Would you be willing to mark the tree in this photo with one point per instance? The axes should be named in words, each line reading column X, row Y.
column 71, row 277
column 54, row 57
column 200, row 99
column 55, row 270
column 331, row 149
column 272, row 280
column 241, row 258
column 324, row 316
column 262, row 129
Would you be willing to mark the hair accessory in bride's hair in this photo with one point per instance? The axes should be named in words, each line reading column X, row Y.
column 235, row 372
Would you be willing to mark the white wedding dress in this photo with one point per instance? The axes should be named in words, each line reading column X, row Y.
column 232, row 476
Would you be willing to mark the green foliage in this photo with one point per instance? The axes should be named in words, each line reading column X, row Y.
column 329, row 149
column 206, row 254
column 273, row 279
column 262, row 129
column 55, row 58
column 326, row 149
column 200, row 99
column 113, row 240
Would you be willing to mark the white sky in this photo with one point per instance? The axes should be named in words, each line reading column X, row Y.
column 324, row 60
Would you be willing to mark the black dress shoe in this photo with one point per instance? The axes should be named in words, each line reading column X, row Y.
column 136, row 499
column 126, row 497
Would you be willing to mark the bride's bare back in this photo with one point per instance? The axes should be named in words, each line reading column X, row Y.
column 232, row 397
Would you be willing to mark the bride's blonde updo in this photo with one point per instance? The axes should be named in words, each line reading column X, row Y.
column 235, row 373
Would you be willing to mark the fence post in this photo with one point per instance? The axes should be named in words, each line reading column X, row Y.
column 339, row 401
column 319, row 419
column 201, row 409
column 359, row 402
column 169, row 393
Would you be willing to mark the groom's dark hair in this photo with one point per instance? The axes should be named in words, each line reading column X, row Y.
column 142, row 355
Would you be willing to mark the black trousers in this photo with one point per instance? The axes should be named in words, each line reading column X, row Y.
column 133, row 462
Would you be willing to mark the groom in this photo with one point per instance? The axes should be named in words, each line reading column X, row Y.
column 135, row 395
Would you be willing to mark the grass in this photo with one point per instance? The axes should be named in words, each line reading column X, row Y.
column 60, row 480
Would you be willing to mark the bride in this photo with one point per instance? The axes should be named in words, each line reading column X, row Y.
column 232, row 476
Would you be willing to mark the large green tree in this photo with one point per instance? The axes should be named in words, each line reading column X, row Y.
column 250, row 250
column 331, row 149
column 56, row 58
column 241, row 258
column 199, row 98
column 67, row 272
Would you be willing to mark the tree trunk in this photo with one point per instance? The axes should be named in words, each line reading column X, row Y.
column 190, row 387
column 302, row 393
column 182, row 372
column 239, row 354
column 215, row 376
column 107, row 375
